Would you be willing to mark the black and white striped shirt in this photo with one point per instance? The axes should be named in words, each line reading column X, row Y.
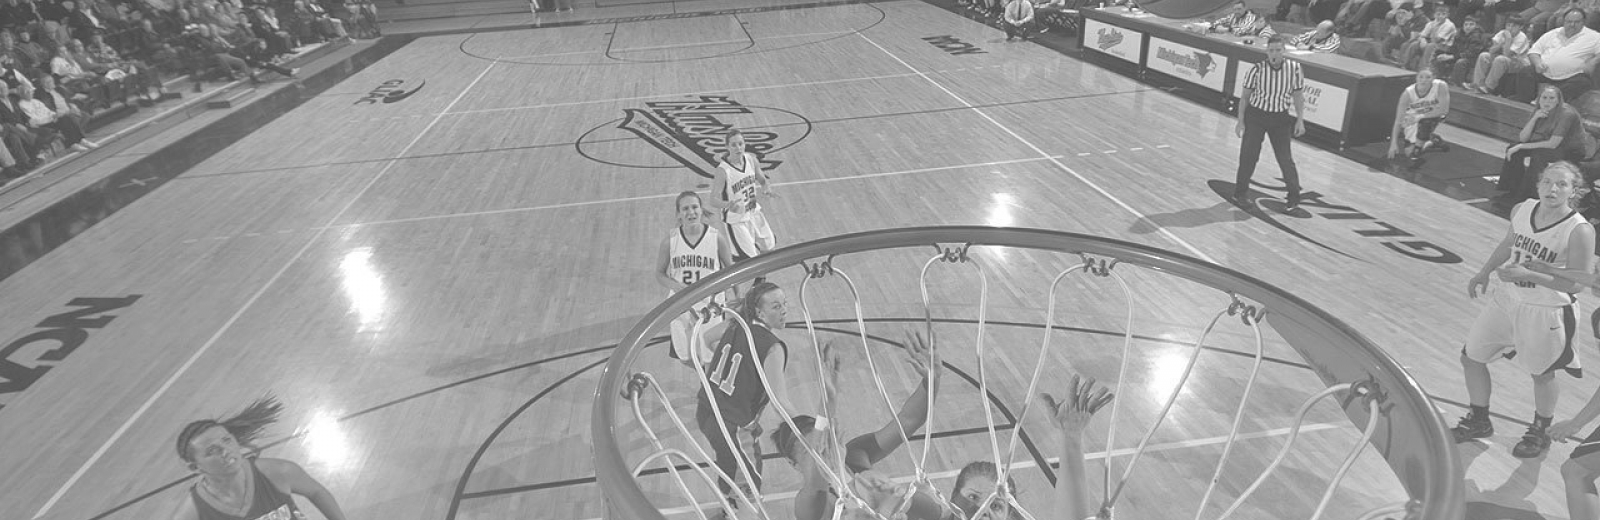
column 1272, row 89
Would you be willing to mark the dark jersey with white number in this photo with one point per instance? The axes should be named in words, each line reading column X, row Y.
column 732, row 373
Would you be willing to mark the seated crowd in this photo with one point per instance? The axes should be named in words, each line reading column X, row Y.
column 63, row 62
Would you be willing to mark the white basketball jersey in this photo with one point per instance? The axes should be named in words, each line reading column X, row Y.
column 1426, row 106
column 741, row 188
column 1548, row 244
column 688, row 262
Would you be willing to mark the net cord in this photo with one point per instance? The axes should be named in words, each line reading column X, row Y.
column 837, row 472
column 1238, row 415
column 983, row 318
column 1366, row 438
column 677, row 422
column 1294, row 434
column 1194, row 356
column 668, row 453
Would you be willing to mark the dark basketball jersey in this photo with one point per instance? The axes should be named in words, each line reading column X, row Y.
column 269, row 503
column 732, row 373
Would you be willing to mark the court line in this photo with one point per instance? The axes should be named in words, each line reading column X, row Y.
column 674, row 194
column 1053, row 159
column 1171, row 446
column 698, row 92
column 246, row 306
column 676, row 46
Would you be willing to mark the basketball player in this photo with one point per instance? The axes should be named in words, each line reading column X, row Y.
column 736, row 388
column 690, row 251
column 1532, row 316
column 1423, row 106
column 739, row 187
column 233, row 483
column 974, row 484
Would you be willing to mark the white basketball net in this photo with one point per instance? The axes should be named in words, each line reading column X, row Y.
column 834, row 469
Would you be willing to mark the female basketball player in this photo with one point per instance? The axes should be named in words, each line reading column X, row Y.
column 690, row 251
column 1423, row 106
column 1533, row 314
column 234, row 484
column 736, row 389
column 739, row 187
column 974, row 484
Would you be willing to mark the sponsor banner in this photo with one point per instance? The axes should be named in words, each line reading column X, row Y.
column 1110, row 39
column 1325, row 104
column 1207, row 69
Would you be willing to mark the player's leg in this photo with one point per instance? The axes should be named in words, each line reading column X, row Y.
column 682, row 327
column 1488, row 340
column 1579, row 474
column 763, row 233
column 1544, row 337
column 726, row 460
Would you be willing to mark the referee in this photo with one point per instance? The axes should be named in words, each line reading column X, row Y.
column 1264, row 106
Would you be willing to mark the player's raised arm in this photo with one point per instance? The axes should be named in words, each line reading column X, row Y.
column 1071, row 414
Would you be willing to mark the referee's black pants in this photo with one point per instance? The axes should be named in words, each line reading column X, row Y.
column 726, row 459
column 1279, row 126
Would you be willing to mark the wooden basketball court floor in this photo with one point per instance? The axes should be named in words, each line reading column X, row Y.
column 430, row 284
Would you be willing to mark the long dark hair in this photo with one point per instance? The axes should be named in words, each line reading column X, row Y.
column 752, row 302
column 245, row 426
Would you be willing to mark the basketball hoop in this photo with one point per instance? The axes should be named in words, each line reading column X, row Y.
column 1406, row 430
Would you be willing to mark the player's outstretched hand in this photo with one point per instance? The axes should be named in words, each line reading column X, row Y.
column 1072, row 414
column 924, row 353
column 636, row 386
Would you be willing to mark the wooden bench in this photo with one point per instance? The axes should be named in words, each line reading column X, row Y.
column 231, row 99
column 1488, row 115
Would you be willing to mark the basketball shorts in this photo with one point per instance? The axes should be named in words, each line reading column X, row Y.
column 750, row 236
column 706, row 317
column 1541, row 339
column 1420, row 129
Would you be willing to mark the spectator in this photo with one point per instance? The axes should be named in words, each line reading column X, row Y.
column 1321, row 39
column 30, row 53
column 1542, row 16
column 66, row 65
column 1554, row 133
column 1566, row 56
column 144, row 40
column 12, row 76
column 19, row 14
column 41, row 116
column 1294, row 11
column 82, row 21
column 1438, row 34
column 1423, row 105
column 1457, row 62
column 264, row 26
column 1508, row 52
column 1321, row 10
column 1242, row 22
column 1018, row 20
column 1362, row 18
column 24, row 142
column 8, row 49
column 328, row 26
column 1404, row 25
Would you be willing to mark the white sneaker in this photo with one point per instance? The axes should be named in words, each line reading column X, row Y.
column 88, row 143
column 80, row 147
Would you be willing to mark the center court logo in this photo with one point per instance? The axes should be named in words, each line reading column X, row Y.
column 1315, row 205
column 689, row 133
column 1201, row 63
column 1108, row 38
column 391, row 91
